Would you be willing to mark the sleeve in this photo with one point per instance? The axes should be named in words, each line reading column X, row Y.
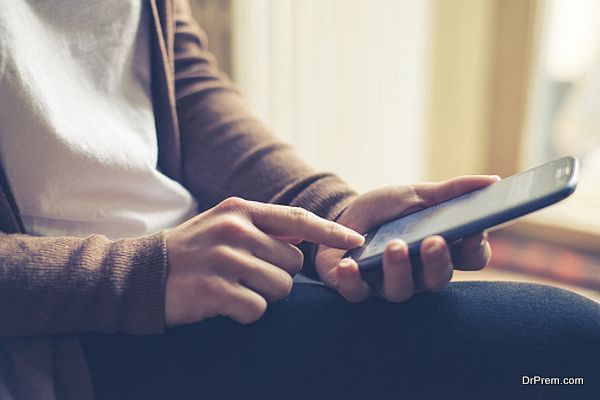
column 53, row 285
column 226, row 151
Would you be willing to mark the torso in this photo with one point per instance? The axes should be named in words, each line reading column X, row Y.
column 77, row 139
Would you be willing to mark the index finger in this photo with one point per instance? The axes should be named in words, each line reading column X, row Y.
column 297, row 222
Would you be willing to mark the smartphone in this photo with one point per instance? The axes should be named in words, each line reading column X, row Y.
column 470, row 213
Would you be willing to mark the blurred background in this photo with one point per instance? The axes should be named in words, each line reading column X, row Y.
column 398, row 91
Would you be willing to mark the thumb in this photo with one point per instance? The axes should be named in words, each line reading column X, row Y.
column 433, row 193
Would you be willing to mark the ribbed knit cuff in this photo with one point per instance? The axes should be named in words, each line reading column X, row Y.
column 143, row 305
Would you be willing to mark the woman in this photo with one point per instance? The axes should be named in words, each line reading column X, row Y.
column 131, row 267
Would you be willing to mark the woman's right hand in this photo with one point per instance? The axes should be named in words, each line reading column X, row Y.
column 236, row 257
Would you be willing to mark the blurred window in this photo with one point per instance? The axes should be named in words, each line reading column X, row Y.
column 565, row 104
column 345, row 81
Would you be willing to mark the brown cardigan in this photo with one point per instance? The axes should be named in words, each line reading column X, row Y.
column 51, row 288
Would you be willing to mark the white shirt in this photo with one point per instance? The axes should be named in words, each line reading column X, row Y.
column 77, row 134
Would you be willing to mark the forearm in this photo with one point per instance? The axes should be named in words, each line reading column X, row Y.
column 51, row 285
column 234, row 154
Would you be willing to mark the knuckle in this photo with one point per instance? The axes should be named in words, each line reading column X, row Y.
column 233, row 204
column 439, row 281
column 421, row 195
column 216, row 287
column 299, row 214
column 221, row 254
column 230, row 227
column 332, row 229
column 248, row 269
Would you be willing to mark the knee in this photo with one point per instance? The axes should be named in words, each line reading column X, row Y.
column 565, row 318
column 541, row 321
column 556, row 310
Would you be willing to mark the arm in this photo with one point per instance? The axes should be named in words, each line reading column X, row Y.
column 64, row 284
column 226, row 150
column 224, row 261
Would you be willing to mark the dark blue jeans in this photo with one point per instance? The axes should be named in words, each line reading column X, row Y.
column 472, row 340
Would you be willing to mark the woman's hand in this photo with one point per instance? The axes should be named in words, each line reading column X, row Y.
column 234, row 258
column 438, row 258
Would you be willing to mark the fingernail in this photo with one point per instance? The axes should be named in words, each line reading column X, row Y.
column 345, row 263
column 346, row 270
column 398, row 250
column 434, row 247
column 354, row 238
column 497, row 177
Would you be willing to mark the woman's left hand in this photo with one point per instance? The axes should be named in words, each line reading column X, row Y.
column 438, row 258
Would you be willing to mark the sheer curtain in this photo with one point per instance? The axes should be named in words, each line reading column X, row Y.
column 345, row 81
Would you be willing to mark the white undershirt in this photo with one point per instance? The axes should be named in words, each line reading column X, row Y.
column 77, row 133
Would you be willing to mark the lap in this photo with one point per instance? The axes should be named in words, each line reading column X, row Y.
column 468, row 338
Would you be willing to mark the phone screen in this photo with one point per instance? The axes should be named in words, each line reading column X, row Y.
column 511, row 192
